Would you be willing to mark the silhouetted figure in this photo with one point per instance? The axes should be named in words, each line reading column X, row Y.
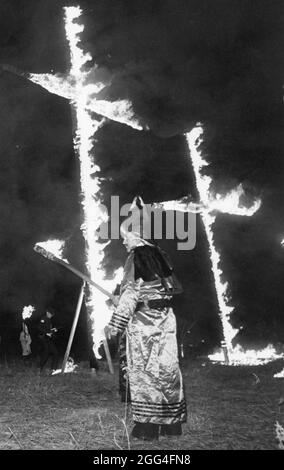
column 46, row 341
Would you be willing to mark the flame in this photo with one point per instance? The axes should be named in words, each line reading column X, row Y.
column 279, row 375
column 94, row 213
column 183, row 205
column 66, row 85
column 27, row 312
column 203, row 182
column 54, row 247
column 227, row 204
column 239, row 356
column 56, row 84
column 120, row 111
column 230, row 203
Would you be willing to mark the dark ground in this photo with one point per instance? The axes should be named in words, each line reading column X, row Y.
column 229, row 408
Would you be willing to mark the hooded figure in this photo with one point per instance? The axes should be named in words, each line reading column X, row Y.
column 144, row 313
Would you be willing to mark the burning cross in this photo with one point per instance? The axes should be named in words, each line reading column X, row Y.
column 229, row 204
column 80, row 88
column 210, row 205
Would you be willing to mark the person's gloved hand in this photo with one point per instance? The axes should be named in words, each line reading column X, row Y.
column 115, row 300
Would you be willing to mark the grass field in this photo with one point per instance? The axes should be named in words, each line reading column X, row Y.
column 228, row 408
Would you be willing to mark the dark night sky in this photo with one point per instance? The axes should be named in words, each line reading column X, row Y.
column 178, row 61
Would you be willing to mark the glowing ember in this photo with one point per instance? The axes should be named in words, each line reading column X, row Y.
column 55, row 247
column 279, row 435
column 27, row 312
column 241, row 357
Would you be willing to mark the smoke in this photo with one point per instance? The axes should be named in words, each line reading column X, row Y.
column 197, row 60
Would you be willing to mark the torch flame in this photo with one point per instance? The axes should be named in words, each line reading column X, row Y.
column 27, row 312
column 54, row 247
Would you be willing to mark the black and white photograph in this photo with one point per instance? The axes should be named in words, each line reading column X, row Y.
column 142, row 228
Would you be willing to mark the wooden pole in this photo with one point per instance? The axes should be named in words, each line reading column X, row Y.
column 108, row 356
column 72, row 333
column 74, row 325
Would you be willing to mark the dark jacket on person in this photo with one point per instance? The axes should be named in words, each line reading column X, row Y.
column 45, row 327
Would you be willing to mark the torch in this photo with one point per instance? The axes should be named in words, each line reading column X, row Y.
column 27, row 312
column 47, row 254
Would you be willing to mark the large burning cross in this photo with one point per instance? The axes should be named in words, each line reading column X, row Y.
column 81, row 89
column 228, row 204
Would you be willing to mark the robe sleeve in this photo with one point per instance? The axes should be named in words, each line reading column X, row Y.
column 127, row 301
